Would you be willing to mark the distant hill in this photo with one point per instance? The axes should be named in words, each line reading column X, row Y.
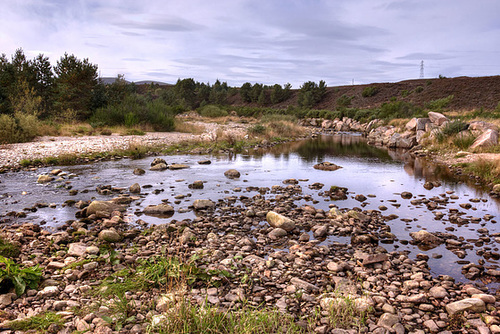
column 149, row 82
column 468, row 93
column 110, row 80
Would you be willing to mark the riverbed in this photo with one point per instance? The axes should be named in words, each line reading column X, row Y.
column 377, row 173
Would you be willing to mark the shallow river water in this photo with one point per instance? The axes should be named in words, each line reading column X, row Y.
column 367, row 170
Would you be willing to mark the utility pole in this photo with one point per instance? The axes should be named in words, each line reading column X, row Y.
column 422, row 69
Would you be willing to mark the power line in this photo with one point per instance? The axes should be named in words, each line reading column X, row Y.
column 422, row 69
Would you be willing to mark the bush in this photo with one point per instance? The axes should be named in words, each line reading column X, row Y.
column 369, row 91
column 18, row 128
column 439, row 104
column 454, row 127
column 212, row 111
column 398, row 109
column 257, row 129
column 464, row 141
column 344, row 101
column 135, row 110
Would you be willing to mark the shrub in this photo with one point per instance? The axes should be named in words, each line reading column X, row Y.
column 257, row 129
column 369, row 91
column 135, row 110
column 439, row 104
column 344, row 101
column 464, row 140
column 454, row 127
column 17, row 128
column 398, row 109
column 419, row 89
column 212, row 111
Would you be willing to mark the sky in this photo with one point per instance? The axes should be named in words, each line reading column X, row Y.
column 265, row 41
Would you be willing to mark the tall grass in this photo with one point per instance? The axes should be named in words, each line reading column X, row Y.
column 186, row 318
column 487, row 170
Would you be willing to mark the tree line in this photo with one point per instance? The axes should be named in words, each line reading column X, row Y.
column 71, row 90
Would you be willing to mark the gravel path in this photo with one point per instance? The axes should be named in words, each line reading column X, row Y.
column 43, row 147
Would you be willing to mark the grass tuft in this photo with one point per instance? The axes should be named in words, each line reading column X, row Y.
column 183, row 317
column 39, row 323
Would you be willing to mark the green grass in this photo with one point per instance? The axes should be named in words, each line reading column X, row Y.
column 39, row 323
column 487, row 170
column 8, row 249
column 463, row 142
column 450, row 129
column 184, row 317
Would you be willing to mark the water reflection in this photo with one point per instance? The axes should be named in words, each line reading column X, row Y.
column 341, row 145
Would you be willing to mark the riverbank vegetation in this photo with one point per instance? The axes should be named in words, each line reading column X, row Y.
column 39, row 98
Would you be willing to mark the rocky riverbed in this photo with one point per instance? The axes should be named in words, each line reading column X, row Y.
column 255, row 246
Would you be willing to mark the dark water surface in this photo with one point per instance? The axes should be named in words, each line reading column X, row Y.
column 366, row 170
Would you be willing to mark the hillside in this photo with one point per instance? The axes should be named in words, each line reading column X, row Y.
column 469, row 93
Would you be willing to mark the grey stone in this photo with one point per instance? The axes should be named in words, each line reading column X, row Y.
column 203, row 204
column 232, row 174
column 469, row 304
column 276, row 220
column 135, row 188
column 426, row 238
column 486, row 139
column 44, row 179
column 301, row 284
column 277, row 233
column 110, row 235
column 387, row 320
column 437, row 118
column 160, row 209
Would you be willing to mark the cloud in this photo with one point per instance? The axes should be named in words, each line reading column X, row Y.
column 275, row 41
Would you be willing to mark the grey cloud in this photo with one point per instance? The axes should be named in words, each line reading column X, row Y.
column 424, row 56
column 134, row 59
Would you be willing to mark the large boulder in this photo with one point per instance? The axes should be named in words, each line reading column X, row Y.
column 135, row 188
column 399, row 141
column 103, row 208
column 329, row 166
column 481, row 126
column 159, row 167
column 232, row 174
column 488, row 138
column 470, row 304
column 177, row 166
column 160, row 209
column 203, row 204
column 44, row 179
column 276, row 220
column 426, row 238
column 421, row 123
column 411, row 125
column 327, row 124
column 110, row 235
column 437, row 118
